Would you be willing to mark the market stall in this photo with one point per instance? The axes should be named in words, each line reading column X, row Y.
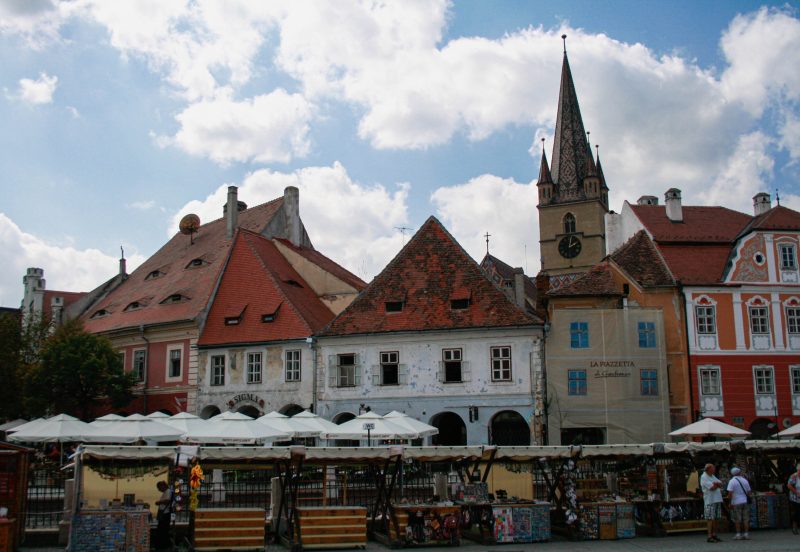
column 13, row 494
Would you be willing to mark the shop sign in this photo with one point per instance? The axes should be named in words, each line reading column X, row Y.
column 246, row 397
column 611, row 368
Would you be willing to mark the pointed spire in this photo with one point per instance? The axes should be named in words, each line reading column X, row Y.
column 600, row 170
column 591, row 169
column 571, row 152
column 544, row 169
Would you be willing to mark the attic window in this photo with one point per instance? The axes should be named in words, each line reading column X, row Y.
column 100, row 314
column 459, row 304
column 394, row 306
column 174, row 298
column 270, row 316
column 294, row 283
column 154, row 274
column 196, row 263
column 232, row 320
column 133, row 306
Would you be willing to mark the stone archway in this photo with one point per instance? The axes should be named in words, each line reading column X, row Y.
column 209, row 412
column 763, row 428
column 509, row 428
column 249, row 410
column 452, row 430
column 291, row 409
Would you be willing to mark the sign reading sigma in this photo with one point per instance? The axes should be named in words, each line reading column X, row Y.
column 602, row 370
column 246, row 397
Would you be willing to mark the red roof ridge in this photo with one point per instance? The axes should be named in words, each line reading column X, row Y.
column 331, row 266
column 596, row 281
column 640, row 237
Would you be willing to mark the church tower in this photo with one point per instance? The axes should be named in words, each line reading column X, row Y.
column 573, row 196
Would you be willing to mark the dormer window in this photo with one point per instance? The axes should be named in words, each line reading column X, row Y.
column 294, row 283
column 197, row 263
column 99, row 314
column 270, row 316
column 460, row 298
column 232, row 320
column 133, row 306
column 459, row 304
column 154, row 274
column 174, row 298
column 394, row 306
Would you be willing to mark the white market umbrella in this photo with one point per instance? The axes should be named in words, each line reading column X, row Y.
column 185, row 422
column 370, row 426
column 792, row 431
column 709, row 427
column 58, row 429
column 293, row 426
column 160, row 416
column 135, row 428
column 28, row 426
column 235, row 427
column 404, row 420
column 10, row 425
column 105, row 420
column 314, row 421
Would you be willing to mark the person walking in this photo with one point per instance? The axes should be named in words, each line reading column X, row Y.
column 712, row 500
column 739, row 493
column 794, row 498
column 163, row 517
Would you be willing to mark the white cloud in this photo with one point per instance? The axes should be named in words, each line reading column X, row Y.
column 39, row 91
column 74, row 112
column 36, row 21
column 484, row 204
column 267, row 128
column 66, row 268
column 143, row 205
column 352, row 223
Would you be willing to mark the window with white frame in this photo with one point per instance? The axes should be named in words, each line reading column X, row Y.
column 709, row 381
column 793, row 320
column 347, row 374
column 175, row 361
column 452, row 365
column 647, row 335
column 254, row 361
column 501, row 363
column 390, row 368
column 706, row 317
column 788, row 255
column 138, row 368
column 759, row 320
column 764, row 379
column 218, row 370
column 292, row 362
column 794, row 374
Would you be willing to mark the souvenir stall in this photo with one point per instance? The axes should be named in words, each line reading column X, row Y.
column 13, row 495
column 768, row 466
column 115, row 496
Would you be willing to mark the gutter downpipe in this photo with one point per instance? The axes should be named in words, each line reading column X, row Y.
column 688, row 355
column 312, row 343
column 146, row 367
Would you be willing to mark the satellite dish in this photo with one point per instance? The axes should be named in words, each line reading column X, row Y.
column 189, row 225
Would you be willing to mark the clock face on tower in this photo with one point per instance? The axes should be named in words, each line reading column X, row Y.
column 569, row 247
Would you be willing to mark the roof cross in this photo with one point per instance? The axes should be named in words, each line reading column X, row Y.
column 487, row 236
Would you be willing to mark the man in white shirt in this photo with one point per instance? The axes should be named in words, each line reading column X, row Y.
column 739, row 490
column 712, row 500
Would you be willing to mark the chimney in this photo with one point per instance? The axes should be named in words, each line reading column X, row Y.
column 672, row 199
column 762, row 203
column 123, row 267
column 231, row 211
column 647, row 200
column 519, row 287
column 291, row 212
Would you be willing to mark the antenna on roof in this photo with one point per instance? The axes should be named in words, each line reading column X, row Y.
column 777, row 197
column 189, row 226
column 121, row 252
column 403, row 230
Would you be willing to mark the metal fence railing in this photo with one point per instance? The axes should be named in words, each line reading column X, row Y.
column 45, row 496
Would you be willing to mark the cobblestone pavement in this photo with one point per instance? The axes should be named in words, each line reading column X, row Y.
column 773, row 540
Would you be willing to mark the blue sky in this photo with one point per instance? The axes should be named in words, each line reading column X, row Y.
column 120, row 117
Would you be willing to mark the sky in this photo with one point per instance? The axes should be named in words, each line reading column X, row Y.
column 119, row 117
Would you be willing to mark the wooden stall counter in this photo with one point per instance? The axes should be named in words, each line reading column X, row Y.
column 331, row 527
column 7, row 534
column 425, row 525
column 229, row 529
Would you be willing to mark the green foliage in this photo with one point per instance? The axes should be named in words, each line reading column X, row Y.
column 10, row 369
column 76, row 370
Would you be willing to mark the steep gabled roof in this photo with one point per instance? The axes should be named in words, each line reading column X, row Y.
column 170, row 272
column 258, row 281
column 699, row 225
column 640, row 259
column 326, row 264
column 697, row 263
column 777, row 218
column 598, row 281
column 69, row 298
column 426, row 275
column 507, row 272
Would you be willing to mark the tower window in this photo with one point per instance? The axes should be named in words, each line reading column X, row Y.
column 569, row 223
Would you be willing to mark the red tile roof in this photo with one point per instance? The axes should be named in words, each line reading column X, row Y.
column 777, row 218
column 427, row 272
column 259, row 281
column 640, row 259
column 326, row 264
column 597, row 281
column 700, row 224
column 69, row 297
column 696, row 264
column 196, row 284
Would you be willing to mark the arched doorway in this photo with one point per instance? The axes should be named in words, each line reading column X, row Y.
column 209, row 412
column 166, row 411
column 291, row 409
column 509, row 428
column 763, row 428
column 339, row 419
column 249, row 410
column 452, row 430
